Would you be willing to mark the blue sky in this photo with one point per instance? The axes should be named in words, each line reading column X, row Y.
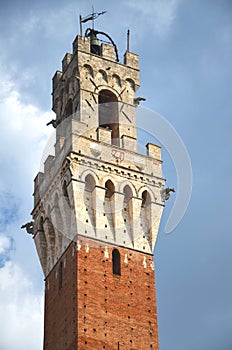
column 185, row 50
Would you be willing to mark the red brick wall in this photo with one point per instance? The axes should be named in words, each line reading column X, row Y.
column 112, row 309
column 60, row 321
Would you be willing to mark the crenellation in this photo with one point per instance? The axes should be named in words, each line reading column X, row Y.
column 81, row 44
column 66, row 60
column 131, row 60
column 56, row 78
column 153, row 151
column 107, row 51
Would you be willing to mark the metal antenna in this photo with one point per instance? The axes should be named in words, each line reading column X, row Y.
column 93, row 17
column 80, row 19
column 128, row 40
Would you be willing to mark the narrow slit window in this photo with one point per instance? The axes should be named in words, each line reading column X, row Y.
column 60, row 275
column 116, row 262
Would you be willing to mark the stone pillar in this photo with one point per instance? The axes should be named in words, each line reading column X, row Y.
column 117, row 206
column 135, row 205
column 98, row 198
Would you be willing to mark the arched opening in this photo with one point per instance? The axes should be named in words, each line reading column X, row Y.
column 103, row 75
column 116, row 262
column 108, row 114
column 116, row 80
column 130, row 84
column 88, row 71
column 127, row 194
column 146, row 199
column 109, row 189
column 69, row 108
column 89, row 183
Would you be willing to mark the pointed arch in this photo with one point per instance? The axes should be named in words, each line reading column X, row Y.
column 127, row 183
column 88, row 71
column 108, row 114
column 128, row 194
column 103, row 75
column 69, row 108
column 110, row 189
column 145, row 188
column 116, row 80
column 87, row 172
column 89, row 183
column 146, row 198
column 130, row 83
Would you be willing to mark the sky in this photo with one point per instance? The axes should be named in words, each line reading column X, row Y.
column 185, row 50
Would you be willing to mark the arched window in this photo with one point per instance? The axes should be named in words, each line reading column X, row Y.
column 130, row 84
column 88, row 71
column 116, row 80
column 116, row 263
column 108, row 114
column 69, row 108
column 127, row 194
column 146, row 199
column 103, row 75
column 89, row 183
column 109, row 189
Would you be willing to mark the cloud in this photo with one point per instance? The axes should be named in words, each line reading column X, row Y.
column 157, row 15
column 23, row 137
column 4, row 244
column 26, row 41
column 21, row 311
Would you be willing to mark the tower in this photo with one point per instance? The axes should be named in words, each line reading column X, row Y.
column 97, row 207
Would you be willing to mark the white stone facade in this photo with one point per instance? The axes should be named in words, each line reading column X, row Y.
column 95, row 185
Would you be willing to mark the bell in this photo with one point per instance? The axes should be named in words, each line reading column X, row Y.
column 94, row 44
column 94, row 40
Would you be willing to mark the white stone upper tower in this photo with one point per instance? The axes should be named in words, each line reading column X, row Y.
column 97, row 185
